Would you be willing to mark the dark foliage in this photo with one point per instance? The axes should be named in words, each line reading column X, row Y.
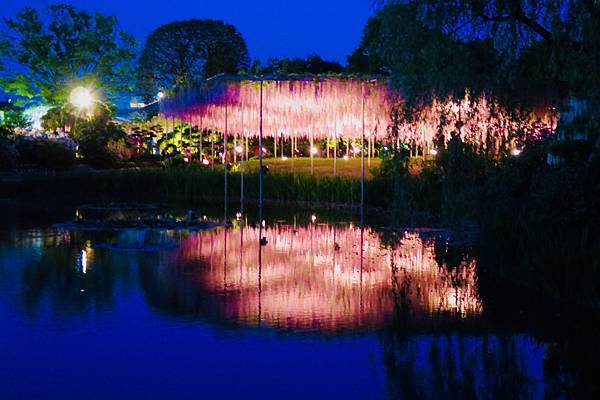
column 182, row 53
column 45, row 153
column 313, row 64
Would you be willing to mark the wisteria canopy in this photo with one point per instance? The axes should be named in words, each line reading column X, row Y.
column 346, row 107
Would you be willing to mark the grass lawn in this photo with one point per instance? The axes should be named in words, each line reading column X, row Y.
column 322, row 166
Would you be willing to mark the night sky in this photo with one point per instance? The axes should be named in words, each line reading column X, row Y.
column 272, row 28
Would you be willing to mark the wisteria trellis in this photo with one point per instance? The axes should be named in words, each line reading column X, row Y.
column 337, row 107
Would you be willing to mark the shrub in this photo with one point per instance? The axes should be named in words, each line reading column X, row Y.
column 98, row 155
column 102, row 143
column 176, row 161
column 58, row 118
column 8, row 153
column 45, row 153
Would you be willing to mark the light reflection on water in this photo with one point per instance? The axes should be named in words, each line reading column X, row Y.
column 318, row 277
column 385, row 320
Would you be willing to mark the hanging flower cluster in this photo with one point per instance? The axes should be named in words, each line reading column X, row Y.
column 334, row 107
column 325, row 107
column 480, row 120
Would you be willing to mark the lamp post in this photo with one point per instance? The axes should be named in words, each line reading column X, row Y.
column 159, row 96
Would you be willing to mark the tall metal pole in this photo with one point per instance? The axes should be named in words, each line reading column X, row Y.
column 293, row 140
column 260, row 203
column 200, row 144
column 311, row 154
column 242, row 167
column 225, row 165
column 335, row 150
column 362, row 165
column 260, row 157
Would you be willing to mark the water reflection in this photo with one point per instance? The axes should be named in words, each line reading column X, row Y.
column 402, row 314
column 465, row 366
column 315, row 278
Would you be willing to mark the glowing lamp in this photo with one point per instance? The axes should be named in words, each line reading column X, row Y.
column 314, row 150
column 238, row 215
column 160, row 96
column 81, row 98
column 205, row 162
column 313, row 218
column 515, row 152
column 433, row 152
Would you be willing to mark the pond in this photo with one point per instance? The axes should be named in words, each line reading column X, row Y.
column 293, row 309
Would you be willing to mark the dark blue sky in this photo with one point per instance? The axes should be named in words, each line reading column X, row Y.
column 280, row 28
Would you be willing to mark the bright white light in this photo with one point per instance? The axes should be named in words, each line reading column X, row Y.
column 238, row 215
column 186, row 159
column 238, row 149
column 515, row 152
column 81, row 98
column 314, row 150
column 160, row 95
column 313, row 218
column 264, row 150
column 205, row 162
column 83, row 261
column 433, row 152
column 284, row 158
column 355, row 150
column 345, row 158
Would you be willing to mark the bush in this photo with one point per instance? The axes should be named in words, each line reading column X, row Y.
column 45, row 153
column 102, row 143
column 8, row 153
column 5, row 132
column 98, row 155
column 58, row 118
column 176, row 161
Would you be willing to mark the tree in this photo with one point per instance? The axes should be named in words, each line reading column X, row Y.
column 562, row 34
column 64, row 47
column 180, row 54
column 422, row 59
column 512, row 24
column 313, row 64
column 365, row 59
column 4, row 46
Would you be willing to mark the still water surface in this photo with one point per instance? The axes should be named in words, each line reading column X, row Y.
column 310, row 314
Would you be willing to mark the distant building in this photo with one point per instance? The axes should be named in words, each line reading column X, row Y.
column 137, row 102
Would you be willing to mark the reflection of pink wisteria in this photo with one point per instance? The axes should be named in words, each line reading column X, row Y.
column 334, row 107
column 313, row 278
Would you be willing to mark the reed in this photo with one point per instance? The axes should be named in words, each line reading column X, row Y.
column 194, row 184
